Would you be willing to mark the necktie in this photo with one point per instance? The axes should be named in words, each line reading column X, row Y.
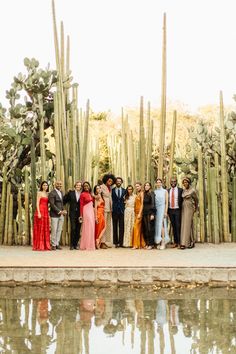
column 118, row 193
column 172, row 201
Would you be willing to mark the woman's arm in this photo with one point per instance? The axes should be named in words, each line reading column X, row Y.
column 141, row 208
column 37, row 204
column 166, row 204
column 96, row 210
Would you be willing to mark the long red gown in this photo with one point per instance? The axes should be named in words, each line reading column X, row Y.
column 101, row 219
column 41, row 233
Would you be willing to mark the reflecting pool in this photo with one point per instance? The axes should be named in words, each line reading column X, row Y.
column 101, row 321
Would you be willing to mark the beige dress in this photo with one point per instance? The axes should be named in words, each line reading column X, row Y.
column 108, row 234
column 190, row 201
column 129, row 221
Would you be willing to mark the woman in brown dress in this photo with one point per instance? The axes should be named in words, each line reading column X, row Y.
column 138, row 240
column 189, row 206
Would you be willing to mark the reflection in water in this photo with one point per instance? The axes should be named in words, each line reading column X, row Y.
column 125, row 325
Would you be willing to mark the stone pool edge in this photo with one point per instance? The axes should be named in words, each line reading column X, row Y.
column 161, row 276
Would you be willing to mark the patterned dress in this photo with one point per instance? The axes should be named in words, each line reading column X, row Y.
column 129, row 221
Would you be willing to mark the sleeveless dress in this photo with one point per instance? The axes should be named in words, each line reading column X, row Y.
column 41, row 233
column 87, row 241
column 129, row 221
column 138, row 240
column 160, row 200
column 101, row 220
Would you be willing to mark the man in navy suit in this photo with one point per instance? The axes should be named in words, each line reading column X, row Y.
column 73, row 199
column 118, row 207
column 174, row 209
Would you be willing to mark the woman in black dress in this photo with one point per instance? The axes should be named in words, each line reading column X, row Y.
column 149, row 211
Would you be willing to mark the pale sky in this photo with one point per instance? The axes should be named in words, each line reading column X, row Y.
column 116, row 48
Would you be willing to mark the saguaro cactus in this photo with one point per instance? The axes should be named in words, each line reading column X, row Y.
column 224, row 175
column 201, row 196
column 172, row 147
column 233, row 216
column 3, row 205
column 163, row 104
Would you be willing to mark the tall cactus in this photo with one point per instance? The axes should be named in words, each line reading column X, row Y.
column 224, row 174
column 42, row 140
column 233, row 215
column 141, row 173
column 172, row 147
column 26, row 240
column 33, row 174
column 214, row 207
column 3, row 204
column 163, row 104
column 201, row 196
column 7, row 213
column 209, row 204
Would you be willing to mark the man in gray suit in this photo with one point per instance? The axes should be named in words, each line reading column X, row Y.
column 57, row 213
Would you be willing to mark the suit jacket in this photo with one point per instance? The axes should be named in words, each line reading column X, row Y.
column 56, row 203
column 118, row 205
column 70, row 198
column 180, row 198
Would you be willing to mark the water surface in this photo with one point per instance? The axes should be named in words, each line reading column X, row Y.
column 126, row 320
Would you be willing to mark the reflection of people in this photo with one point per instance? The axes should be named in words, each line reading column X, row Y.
column 138, row 240
column 189, row 206
column 149, row 211
column 41, row 232
column 108, row 180
column 73, row 199
column 57, row 213
column 88, row 219
column 174, row 209
column 100, row 224
column 161, row 202
column 128, row 216
column 118, row 207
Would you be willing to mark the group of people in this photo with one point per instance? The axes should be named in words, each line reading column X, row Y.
column 135, row 217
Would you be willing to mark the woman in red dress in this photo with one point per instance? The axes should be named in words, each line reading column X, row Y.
column 100, row 224
column 41, row 233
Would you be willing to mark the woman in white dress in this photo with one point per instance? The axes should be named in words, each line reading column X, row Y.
column 129, row 216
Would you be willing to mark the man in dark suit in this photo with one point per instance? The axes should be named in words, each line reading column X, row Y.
column 73, row 199
column 57, row 214
column 174, row 209
column 118, row 207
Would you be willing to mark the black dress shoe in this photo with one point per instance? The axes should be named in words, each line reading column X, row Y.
column 117, row 246
column 58, row 248
column 71, row 248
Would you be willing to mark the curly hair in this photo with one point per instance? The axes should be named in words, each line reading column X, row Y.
column 107, row 177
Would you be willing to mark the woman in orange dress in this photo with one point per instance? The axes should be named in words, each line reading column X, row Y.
column 41, row 233
column 138, row 240
column 99, row 206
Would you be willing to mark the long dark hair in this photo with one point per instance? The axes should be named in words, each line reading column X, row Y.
column 95, row 190
column 149, row 185
column 126, row 197
column 41, row 186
